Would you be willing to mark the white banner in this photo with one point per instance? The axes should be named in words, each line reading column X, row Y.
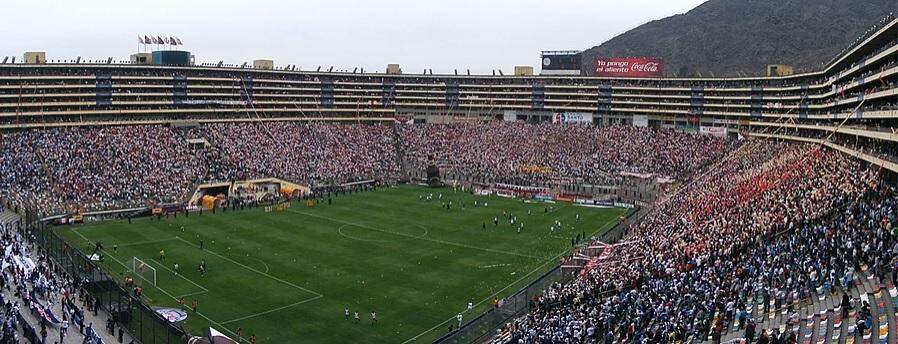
column 572, row 118
column 716, row 131
column 212, row 102
column 640, row 121
column 510, row 115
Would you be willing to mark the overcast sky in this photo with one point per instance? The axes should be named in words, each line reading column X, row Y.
column 443, row 35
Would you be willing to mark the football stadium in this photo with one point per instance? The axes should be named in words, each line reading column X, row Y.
column 157, row 199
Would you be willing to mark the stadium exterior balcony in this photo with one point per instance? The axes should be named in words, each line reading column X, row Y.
column 865, row 77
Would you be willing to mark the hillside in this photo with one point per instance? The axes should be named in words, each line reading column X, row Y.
column 726, row 37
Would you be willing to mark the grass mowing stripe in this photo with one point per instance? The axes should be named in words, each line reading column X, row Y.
column 273, row 310
column 420, row 237
column 412, row 284
column 177, row 274
column 540, row 267
column 602, row 228
column 146, row 242
column 256, row 271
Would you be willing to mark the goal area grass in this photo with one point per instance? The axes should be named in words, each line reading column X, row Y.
column 286, row 276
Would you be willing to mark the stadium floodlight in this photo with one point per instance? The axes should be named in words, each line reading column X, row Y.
column 143, row 270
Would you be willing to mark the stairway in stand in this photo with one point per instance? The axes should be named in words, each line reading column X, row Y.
column 819, row 319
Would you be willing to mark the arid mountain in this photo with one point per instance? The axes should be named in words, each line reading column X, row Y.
column 731, row 37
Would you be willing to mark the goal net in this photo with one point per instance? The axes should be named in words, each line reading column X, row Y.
column 143, row 270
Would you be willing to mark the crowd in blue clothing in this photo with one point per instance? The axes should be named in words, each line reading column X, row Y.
column 771, row 222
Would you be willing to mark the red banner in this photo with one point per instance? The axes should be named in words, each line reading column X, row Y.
column 629, row 67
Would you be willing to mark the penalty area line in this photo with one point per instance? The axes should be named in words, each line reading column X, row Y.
column 146, row 242
column 272, row 310
column 179, row 275
column 254, row 270
column 167, row 293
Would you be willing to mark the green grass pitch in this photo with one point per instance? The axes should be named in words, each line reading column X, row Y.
column 287, row 276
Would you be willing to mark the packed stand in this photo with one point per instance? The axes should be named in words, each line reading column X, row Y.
column 762, row 224
column 41, row 303
column 85, row 169
column 534, row 154
column 315, row 153
column 75, row 169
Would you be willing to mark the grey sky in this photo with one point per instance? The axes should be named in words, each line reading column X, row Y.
column 442, row 35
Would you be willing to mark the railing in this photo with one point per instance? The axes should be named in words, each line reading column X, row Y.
column 484, row 327
column 143, row 323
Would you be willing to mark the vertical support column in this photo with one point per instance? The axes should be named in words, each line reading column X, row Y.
column 388, row 94
column 103, row 90
column 327, row 93
column 179, row 89
column 538, row 96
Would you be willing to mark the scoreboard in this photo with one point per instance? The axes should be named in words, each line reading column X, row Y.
column 560, row 62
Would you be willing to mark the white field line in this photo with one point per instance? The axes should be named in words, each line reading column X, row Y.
column 220, row 325
column 419, row 238
column 179, row 275
column 554, row 259
column 146, row 242
column 102, row 250
column 267, row 269
column 272, row 310
column 256, row 271
column 488, row 298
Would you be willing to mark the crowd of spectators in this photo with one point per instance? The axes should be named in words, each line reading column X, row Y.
column 66, row 170
column 313, row 154
column 77, row 169
column 772, row 221
column 533, row 154
column 40, row 302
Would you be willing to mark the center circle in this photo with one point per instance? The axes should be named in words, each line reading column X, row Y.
column 346, row 230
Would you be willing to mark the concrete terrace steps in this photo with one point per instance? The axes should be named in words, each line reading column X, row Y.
column 819, row 320
column 7, row 216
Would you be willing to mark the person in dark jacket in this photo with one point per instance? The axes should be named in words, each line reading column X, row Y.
column 750, row 331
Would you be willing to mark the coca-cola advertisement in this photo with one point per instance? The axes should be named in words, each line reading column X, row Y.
column 629, row 67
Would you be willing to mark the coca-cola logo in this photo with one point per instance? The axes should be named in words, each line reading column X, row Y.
column 645, row 67
column 629, row 67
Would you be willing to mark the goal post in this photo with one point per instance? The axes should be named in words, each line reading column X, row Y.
column 143, row 270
